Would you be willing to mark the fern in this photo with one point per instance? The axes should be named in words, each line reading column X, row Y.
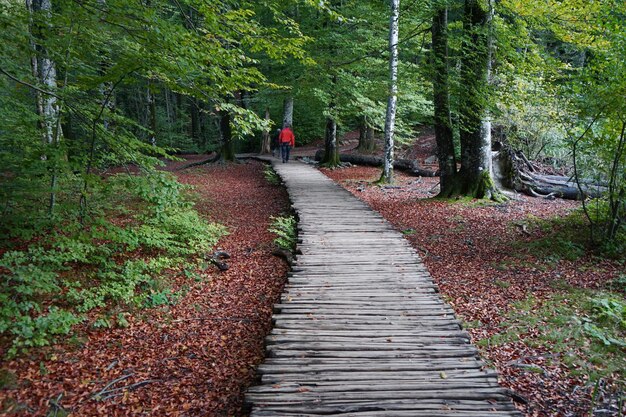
column 285, row 228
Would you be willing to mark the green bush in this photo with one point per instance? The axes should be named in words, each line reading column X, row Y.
column 47, row 287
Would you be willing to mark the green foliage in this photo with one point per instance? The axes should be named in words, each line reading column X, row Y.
column 47, row 286
column 566, row 238
column 271, row 176
column 285, row 228
column 587, row 328
column 564, row 96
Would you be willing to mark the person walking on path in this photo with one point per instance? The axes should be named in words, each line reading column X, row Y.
column 287, row 141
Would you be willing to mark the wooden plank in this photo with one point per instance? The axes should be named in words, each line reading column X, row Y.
column 425, row 376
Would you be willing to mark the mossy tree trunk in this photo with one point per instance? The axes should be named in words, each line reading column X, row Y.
column 474, row 178
column 441, row 93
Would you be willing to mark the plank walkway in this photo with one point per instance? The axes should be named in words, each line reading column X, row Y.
column 361, row 329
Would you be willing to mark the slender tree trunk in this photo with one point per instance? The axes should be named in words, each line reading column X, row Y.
column 390, row 120
column 441, row 93
column 475, row 174
column 179, row 113
column 226, row 134
column 266, row 141
column 33, row 60
column 195, row 119
column 288, row 112
column 151, row 98
column 44, row 70
column 331, row 148
column 331, row 151
column 370, row 139
column 362, row 131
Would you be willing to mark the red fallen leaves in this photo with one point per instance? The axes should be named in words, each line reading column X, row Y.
column 192, row 359
column 468, row 250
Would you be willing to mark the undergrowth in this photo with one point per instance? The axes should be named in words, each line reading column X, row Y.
column 568, row 238
column 285, row 228
column 144, row 225
column 271, row 176
column 586, row 329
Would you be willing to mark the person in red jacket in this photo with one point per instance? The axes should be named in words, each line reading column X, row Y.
column 287, row 141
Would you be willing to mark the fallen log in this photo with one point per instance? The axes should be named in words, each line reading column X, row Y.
column 512, row 170
column 408, row 166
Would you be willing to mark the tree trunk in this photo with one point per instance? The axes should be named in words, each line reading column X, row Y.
column 44, row 70
column 441, row 92
column 226, row 134
column 390, row 119
column 152, row 115
column 512, row 170
column 475, row 178
column 195, row 119
column 288, row 112
column 47, row 76
column 266, row 141
column 362, row 132
column 370, row 139
column 367, row 141
column 331, row 151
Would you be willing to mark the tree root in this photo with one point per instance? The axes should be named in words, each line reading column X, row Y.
column 211, row 160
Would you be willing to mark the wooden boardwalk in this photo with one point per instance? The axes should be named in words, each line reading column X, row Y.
column 361, row 329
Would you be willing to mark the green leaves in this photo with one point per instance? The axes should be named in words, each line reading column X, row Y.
column 285, row 228
column 47, row 287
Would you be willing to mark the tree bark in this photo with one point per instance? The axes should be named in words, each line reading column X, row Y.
column 441, row 93
column 390, row 119
column 367, row 141
column 152, row 115
column 226, row 134
column 266, row 141
column 288, row 112
column 475, row 178
column 45, row 71
column 331, row 151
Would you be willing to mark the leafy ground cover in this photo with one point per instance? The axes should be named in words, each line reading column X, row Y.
column 191, row 354
column 547, row 313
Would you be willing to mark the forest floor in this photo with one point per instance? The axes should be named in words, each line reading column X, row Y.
column 498, row 265
column 194, row 358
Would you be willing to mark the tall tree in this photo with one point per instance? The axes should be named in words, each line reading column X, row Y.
column 441, row 94
column 474, row 177
column 390, row 119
